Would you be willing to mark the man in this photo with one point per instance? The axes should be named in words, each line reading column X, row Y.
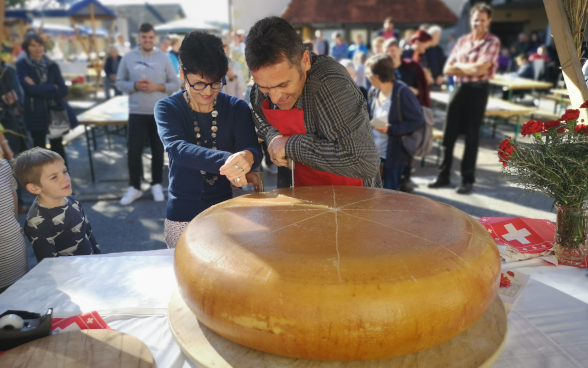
column 309, row 110
column 338, row 47
column 472, row 63
column 146, row 75
column 435, row 55
column 322, row 45
column 357, row 46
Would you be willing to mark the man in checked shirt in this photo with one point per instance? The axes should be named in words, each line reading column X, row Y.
column 308, row 109
column 472, row 63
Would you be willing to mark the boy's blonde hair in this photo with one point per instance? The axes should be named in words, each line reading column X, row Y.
column 29, row 165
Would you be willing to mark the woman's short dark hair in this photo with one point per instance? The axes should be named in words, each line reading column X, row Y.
column 202, row 53
column 30, row 37
column 382, row 67
column 270, row 41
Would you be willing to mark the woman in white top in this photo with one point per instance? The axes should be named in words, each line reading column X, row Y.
column 13, row 251
column 395, row 113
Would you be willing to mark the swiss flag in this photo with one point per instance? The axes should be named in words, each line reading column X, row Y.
column 86, row 321
column 523, row 234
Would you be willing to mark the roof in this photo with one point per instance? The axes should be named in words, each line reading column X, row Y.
column 304, row 12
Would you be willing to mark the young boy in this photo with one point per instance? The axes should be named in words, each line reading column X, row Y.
column 56, row 224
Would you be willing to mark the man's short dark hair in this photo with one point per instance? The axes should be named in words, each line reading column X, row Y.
column 203, row 54
column 382, row 67
column 482, row 7
column 30, row 37
column 146, row 27
column 270, row 41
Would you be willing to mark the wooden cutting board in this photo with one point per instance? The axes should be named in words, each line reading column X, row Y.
column 477, row 347
column 86, row 348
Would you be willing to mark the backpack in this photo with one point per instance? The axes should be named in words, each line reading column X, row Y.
column 420, row 142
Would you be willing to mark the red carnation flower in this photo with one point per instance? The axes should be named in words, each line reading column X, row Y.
column 531, row 127
column 581, row 129
column 570, row 115
column 550, row 124
column 505, row 151
column 561, row 130
column 504, row 281
column 584, row 105
column 510, row 273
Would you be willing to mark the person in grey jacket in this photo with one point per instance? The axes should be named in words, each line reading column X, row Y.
column 147, row 76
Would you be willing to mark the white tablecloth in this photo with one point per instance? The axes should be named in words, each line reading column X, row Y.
column 548, row 325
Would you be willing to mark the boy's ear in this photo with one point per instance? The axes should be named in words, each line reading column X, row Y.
column 33, row 188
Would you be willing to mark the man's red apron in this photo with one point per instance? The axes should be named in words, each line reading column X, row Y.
column 291, row 122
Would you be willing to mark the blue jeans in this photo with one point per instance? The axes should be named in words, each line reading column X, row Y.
column 392, row 176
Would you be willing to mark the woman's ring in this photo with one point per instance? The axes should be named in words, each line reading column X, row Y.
column 236, row 166
column 238, row 179
column 235, row 181
column 242, row 169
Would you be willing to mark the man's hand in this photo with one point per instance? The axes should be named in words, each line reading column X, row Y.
column 147, row 85
column 383, row 129
column 29, row 80
column 277, row 150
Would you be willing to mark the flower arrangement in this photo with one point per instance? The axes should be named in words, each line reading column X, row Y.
column 555, row 164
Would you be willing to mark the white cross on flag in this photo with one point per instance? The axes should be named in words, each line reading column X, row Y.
column 524, row 234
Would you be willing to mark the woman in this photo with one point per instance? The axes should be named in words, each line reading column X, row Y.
column 44, row 90
column 393, row 102
column 110, row 70
column 13, row 251
column 209, row 136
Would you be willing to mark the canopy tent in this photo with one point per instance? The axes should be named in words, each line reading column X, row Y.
column 18, row 15
column 65, row 30
column 183, row 26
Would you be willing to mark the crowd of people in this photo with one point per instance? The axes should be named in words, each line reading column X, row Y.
column 340, row 112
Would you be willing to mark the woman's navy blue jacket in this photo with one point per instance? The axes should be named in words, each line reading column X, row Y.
column 188, row 194
column 36, row 97
column 412, row 119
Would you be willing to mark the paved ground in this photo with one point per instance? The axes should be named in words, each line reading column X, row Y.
column 139, row 226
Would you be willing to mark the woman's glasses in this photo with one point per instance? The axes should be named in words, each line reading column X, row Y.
column 201, row 86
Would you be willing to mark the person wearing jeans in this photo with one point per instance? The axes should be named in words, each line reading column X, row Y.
column 147, row 76
column 472, row 62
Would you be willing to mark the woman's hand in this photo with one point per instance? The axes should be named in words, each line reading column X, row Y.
column 29, row 80
column 383, row 129
column 236, row 166
column 5, row 149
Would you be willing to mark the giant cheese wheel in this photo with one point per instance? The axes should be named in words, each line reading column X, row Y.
column 336, row 273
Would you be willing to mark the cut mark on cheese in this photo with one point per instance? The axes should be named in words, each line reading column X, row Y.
column 268, row 275
column 413, row 235
column 403, row 265
column 283, row 227
column 338, row 261
column 369, row 199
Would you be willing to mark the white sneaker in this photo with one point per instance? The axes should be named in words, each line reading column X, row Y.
column 132, row 195
column 157, row 193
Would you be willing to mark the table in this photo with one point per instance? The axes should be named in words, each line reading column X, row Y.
column 496, row 108
column 547, row 325
column 511, row 84
column 112, row 112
